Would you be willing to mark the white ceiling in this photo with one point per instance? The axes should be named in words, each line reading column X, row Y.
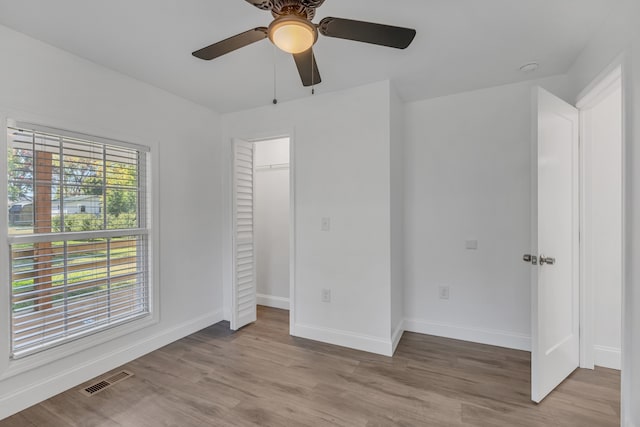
column 461, row 44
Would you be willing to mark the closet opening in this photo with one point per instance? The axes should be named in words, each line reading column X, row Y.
column 272, row 222
column 262, row 230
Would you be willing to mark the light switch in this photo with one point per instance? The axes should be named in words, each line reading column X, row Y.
column 472, row 244
column 326, row 224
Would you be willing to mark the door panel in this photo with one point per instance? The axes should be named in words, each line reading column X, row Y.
column 244, row 264
column 555, row 285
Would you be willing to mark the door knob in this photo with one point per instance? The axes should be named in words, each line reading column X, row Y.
column 530, row 258
column 547, row 260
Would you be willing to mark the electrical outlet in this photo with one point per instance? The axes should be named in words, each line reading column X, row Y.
column 443, row 292
column 325, row 224
column 326, row 295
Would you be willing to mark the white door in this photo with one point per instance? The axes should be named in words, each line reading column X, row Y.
column 555, row 245
column 244, row 268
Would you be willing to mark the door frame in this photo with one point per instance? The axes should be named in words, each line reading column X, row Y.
column 605, row 85
column 257, row 138
column 584, row 98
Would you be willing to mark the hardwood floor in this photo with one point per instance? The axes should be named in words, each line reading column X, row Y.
column 262, row 376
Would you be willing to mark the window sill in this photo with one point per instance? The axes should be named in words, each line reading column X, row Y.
column 15, row 367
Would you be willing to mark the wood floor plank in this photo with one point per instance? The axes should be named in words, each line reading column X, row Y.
column 261, row 376
column 18, row 420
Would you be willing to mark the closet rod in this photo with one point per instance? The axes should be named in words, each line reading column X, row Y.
column 278, row 166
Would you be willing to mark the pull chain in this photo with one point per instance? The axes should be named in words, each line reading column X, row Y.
column 275, row 79
column 313, row 63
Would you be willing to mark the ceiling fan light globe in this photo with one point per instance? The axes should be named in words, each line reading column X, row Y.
column 293, row 35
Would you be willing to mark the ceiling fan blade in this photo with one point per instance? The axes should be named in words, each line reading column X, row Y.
column 367, row 32
column 232, row 43
column 306, row 62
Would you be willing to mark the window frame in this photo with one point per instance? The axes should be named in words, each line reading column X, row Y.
column 9, row 366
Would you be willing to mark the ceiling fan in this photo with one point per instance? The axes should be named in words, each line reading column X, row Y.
column 293, row 32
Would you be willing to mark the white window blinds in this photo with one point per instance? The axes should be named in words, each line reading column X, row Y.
column 78, row 235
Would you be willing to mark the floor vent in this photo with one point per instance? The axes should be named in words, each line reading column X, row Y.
column 105, row 383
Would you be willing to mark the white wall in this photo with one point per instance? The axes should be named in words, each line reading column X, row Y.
column 342, row 171
column 621, row 35
column 397, row 116
column 46, row 85
column 603, row 224
column 272, row 222
column 467, row 174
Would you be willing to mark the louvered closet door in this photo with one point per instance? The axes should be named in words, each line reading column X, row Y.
column 244, row 262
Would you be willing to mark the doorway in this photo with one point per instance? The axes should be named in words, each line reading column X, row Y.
column 602, row 223
column 272, row 222
column 262, row 227
column 578, row 222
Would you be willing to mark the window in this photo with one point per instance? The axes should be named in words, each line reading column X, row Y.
column 78, row 234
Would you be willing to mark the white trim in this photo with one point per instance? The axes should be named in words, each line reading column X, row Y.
column 272, row 301
column 623, row 64
column 292, row 231
column 397, row 336
column 45, row 357
column 74, row 135
column 605, row 85
column 21, row 115
column 93, row 336
column 601, row 85
column 345, row 339
column 628, row 166
column 586, row 271
column 493, row 337
column 227, row 245
column 5, row 291
column 18, row 400
column 607, row 357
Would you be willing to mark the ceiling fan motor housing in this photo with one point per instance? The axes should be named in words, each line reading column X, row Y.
column 303, row 8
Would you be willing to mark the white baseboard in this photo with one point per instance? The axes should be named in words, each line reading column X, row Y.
column 18, row 400
column 607, row 357
column 345, row 339
column 271, row 301
column 397, row 335
column 482, row 336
